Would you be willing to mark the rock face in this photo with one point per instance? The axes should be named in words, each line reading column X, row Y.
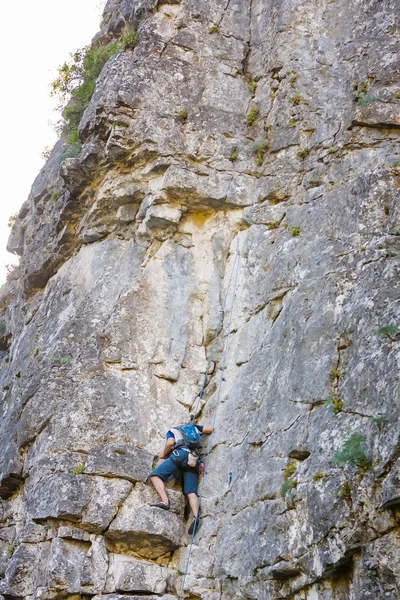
column 258, row 127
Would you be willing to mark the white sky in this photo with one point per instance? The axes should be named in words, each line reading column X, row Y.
column 37, row 37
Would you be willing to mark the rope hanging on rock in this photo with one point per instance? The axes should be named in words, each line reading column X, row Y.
column 234, row 275
column 235, row 266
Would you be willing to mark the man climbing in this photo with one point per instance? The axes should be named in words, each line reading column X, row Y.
column 182, row 458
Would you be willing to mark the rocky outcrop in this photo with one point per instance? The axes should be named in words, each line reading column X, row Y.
column 264, row 128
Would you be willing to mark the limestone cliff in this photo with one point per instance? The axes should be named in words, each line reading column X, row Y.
column 267, row 125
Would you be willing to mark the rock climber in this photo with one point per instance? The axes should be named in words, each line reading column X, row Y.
column 182, row 458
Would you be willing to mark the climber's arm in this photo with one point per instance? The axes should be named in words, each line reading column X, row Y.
column 168, row 447
column 207, row 429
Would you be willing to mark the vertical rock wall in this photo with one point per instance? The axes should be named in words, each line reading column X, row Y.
column 262, row 125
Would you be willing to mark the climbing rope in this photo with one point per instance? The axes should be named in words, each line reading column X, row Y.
column 235, row 271
column 219, row 327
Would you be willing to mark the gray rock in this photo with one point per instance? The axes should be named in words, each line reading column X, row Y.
column 126, row 574
column 127, row 213
column 148, row 531
column 91, row 501
column 92, row 235
column 119, row 460
column 105, row 345
column 59, row 496
column 25, row 569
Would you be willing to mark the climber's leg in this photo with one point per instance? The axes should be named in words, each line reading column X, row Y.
column 190, row 490
column 163, row 473
column 159, row 486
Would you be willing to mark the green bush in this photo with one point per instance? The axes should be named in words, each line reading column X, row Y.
column 303, row 153
column 295, row 231
column 71, row 151
column 364, row 99
column 214, row 28
column 292, row 78
column 287, row 486
column 12, row 219
column 129, row 38
column 252, row 86
column 289, row 470
column 345, row 490
column 75, row 84
column 353, row 452
column 182, row 115
column 379, row 420
column 234, row 154
column 252, row 116
column 389, row 331
column 259, row 147
column 296, row 99
column 334, row 402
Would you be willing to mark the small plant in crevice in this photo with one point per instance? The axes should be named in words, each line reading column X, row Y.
column 234, row 154
column 395, row 231
column 318, row 476
column 273, row 225
column 390, row 253
column 333, row 150
column 10, row 550
column 65, row 360
column 392, row 332
column 182, row 115
column 46, row 152
column 334, row 402
column 297, row 99
column 252, row 116
column 379, row 420
column 292, row 122
column 292, row 78
column 12, row 219
column 287, row 486
column 295, row 230
column 353, row 453
column 396, row 169
column 289, row 470
column 337, row 372
column 259, row 147
column 214, row 28
column 302, row 153
column 345, row 490
column 71, row 151
column 79, row 469
column 363, row 99
column 252, row 86
column 129, row 38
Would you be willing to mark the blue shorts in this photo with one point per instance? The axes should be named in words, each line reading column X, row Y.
column 173, row 467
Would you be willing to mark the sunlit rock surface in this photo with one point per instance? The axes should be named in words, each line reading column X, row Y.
column 260, row 127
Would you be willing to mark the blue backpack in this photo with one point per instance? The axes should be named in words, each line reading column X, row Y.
column 189, row 437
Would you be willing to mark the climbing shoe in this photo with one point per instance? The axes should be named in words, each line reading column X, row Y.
column 194, row 526
column 163, row 505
